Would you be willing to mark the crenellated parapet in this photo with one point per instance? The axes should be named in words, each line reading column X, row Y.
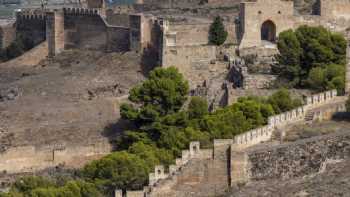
column 194, row 152
column 159, row 176
column 319, row 99
column 81, row 11
column 30, row 14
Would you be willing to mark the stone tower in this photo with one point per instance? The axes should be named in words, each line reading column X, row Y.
column 55, row 32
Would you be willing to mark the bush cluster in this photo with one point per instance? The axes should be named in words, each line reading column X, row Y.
column 35, row 186
column 312, row 57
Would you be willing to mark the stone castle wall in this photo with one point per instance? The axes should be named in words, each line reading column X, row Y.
column 86, row 29
column 264, row 133
column 31, row 23
column 186, row 46
column 72, row 28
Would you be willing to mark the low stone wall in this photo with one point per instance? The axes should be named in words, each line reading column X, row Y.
column 30, row 158
column 258, row 81
column 298, row 159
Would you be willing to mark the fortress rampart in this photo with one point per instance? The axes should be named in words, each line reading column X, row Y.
column 83, row 28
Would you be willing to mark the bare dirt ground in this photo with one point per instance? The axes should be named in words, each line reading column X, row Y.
column 297, row 132
column 65, row 100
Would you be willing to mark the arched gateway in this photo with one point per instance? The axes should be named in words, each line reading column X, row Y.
column 268, row 31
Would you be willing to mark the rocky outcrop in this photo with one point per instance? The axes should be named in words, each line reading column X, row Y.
column 298, row 159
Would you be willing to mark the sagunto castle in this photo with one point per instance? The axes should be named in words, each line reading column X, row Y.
column 71, row 104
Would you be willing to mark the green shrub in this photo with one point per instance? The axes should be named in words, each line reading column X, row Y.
column 282, row 101
column 217, row 32
column 118, row 170
column 197, row 108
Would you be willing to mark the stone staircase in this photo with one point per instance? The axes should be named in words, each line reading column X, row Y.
column 309, row 116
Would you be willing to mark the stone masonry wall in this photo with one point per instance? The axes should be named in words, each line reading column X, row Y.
column 30, row 158
column 86, row 29
column 254, row 14
column 335, row 9
column 298, row 159
column 185, row 46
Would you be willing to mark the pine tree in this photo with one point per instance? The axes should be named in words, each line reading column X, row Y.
column 217, row 32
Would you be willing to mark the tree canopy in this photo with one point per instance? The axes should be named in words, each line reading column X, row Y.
column 217, row 32
column 308, row 54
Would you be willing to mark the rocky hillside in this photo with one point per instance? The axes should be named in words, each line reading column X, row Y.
column 333, row 180
column 70, row 99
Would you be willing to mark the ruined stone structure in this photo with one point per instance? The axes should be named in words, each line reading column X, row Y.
column 31, row 158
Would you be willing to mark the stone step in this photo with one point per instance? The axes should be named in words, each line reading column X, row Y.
column 309, row 116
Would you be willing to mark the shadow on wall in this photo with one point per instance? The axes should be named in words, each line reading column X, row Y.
column 150, row 55
column 114, row 130
column 149, row 60
column 341, row 116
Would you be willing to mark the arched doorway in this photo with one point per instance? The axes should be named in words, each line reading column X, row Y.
column 268, row 31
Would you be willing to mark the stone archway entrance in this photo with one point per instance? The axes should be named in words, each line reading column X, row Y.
column 268, row 31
